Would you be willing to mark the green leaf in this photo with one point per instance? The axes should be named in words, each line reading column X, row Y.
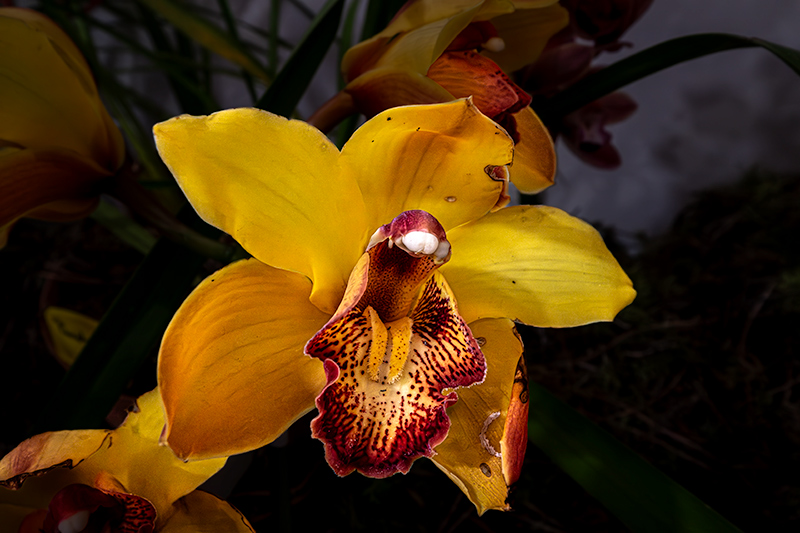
column 637, row 493
column 183, row 79
column 650, row 61
column 123, row 227
column 208, row 35
column 289, row 86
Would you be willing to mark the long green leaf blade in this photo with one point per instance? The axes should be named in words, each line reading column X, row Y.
column 637, row 493
column 650, row 61
column 208, row 35
column 289, row 86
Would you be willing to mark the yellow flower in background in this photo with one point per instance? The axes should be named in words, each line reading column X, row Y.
column 56, row 138
column 391, row 266
column 120, row 480
column 437, row 51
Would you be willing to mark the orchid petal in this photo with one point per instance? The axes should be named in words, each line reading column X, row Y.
column 537, row 265
column 420, row 12
column 200, row 512
column 480, row 453
column 387, row 87
column 274, row 185
column 46, row 183
column 134, row 444
column 418, row 35
column 110, row 460
column 68, row 112
column 232, row 371
column 437, row 158
column 534, row 166
column 29, row 462
column 466, row 72
column 526, row 32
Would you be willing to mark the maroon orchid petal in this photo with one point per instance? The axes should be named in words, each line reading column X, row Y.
column 467, row 73
column 396, row 342
column 585, row 134
column 604, row 21
column 557, row 68
column 81, row 508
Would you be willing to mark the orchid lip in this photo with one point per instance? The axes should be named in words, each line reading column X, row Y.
column 395, row 353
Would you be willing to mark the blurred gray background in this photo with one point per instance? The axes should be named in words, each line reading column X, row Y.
column 699, row 124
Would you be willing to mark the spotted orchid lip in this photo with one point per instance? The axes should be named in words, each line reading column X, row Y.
column 393, row 348
column 416, row 232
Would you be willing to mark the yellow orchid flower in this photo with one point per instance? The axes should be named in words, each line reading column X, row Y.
column 360, row 256
column 122, row 479
column 56, row 138
column 437, row 51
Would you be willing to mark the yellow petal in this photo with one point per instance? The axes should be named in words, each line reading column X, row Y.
column 469, row 454
column 69, row 331
column 200, row 512
column 128, row 459
column 46, row 182
column 418, row 35
column 135, row 443
column 433, row 158
column 534, row 166
column 537, row 265
column 274, row 185
column 526, row 32
column 231, row 368
column 55, row 101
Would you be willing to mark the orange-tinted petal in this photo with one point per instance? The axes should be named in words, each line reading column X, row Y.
column 387, row 87
column 483, row 452
column 231, row 369
column 467, row 73
column 537, row 265
column 437, row 158
column 55, row 101
column 534, row 166
column 50, row 181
